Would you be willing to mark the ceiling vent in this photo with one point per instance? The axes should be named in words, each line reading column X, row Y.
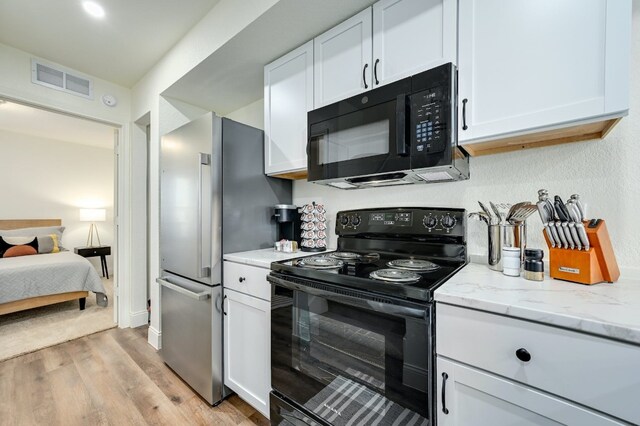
column 58, row 79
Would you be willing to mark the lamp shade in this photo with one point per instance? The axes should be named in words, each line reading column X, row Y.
column 93, row 215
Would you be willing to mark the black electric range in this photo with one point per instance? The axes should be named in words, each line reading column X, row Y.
column 353, row 330
column 426, row 246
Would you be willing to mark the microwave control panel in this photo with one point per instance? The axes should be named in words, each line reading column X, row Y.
column 428, row 121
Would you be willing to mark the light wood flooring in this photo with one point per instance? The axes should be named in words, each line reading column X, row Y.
column 109, row 378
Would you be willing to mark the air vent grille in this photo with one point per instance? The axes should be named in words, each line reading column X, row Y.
column 60, row 80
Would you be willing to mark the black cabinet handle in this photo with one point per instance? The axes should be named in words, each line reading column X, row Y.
column 375, row 71
column 523, row 355
column 241, row 279
column 223, row 299
column 445, row 376
column 364, row 76
column 464, row 114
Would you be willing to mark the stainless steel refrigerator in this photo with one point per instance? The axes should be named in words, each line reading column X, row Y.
column 214, row 199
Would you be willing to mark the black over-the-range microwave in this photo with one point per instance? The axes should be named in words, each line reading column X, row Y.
column 401, row 133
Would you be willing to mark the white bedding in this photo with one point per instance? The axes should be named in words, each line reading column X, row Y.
column 44, row 274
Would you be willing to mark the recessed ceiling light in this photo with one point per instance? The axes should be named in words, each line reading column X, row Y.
column 93, row 9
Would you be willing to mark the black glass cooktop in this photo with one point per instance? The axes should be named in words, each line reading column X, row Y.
column 336, row 268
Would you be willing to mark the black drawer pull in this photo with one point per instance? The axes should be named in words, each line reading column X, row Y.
column 375, row 71
column 223, row 299
column 445, row 376
column 241, row 279
column 523, row 355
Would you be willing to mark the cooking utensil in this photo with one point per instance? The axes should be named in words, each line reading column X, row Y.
column 482, row 216
column 496, row 211
column 554, row 224
column 489, row 214
column 521, row 213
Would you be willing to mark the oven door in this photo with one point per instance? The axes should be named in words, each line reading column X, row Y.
column 347, row 357
column 360, row 136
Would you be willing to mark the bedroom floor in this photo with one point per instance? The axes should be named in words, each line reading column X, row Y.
column 111, row 377
column 33, row 329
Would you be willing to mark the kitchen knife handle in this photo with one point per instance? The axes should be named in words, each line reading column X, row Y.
column 582, row 234
column 561, row 234
column 552, row 240
column 567, row 234
column 574, row 235
column 554, row 232
column 464, row 114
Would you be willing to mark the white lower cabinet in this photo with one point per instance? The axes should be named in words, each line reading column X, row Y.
column 467, row 396
column 247, row 348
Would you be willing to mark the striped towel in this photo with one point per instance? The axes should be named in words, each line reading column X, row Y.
column 347, row 403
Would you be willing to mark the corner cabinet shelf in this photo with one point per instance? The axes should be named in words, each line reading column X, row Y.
column 541, row 73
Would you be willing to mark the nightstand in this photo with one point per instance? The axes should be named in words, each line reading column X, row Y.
column 102, row 251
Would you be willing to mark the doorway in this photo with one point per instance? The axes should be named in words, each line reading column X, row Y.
column 61, row 166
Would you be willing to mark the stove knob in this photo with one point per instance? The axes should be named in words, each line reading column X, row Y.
column 344, row 220
column 429, row 222
column 355, row 221
column 448, row 221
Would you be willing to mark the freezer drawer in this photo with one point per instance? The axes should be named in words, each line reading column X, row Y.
column 190, row 323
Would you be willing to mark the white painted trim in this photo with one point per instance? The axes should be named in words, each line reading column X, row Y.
column 154, row 338
column 138, row 319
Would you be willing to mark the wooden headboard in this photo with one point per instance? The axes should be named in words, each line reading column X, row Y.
column 28, row 223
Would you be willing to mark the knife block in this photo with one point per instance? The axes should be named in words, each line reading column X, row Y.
column 594, row 266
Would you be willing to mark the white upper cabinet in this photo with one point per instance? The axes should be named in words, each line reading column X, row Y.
column 342, row 63
column 410, row 36
column 526, row 66
column 288, row 95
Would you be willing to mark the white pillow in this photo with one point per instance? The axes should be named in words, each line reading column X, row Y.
column 40, row 231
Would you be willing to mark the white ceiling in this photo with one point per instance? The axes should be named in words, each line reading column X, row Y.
column 233, row 76
column 31, row 121
column 121, row 47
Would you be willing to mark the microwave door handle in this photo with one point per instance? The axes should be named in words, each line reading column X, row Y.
column 401, row 125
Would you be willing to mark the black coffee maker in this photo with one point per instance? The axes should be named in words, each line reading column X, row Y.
column 287, row 217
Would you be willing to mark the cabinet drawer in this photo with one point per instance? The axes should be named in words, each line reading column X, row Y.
column 247, row 279
column 593, row 371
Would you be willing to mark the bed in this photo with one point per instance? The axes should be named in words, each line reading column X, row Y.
column 32, row 281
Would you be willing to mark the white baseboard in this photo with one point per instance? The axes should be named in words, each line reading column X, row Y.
column 138, row 319
column 154, row 338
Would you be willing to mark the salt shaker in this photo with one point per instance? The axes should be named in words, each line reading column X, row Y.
column 511, row 261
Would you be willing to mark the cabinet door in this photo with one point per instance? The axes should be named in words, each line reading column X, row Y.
column 410, row 36
column 473, row 397
column 288, row 95
column 527, row 65
column 342, row 62
column 247, row 348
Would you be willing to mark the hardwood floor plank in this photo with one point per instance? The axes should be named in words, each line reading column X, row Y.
column 110, row 378
column 149, row 400
column 146, row 357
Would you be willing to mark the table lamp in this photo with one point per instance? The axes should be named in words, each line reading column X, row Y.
column 93, row 215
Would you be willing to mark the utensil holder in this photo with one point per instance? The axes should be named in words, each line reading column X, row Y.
column 505, row 235
column 593, row 266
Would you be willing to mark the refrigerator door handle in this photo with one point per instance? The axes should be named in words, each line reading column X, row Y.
column 203, row 295
column 203, row 160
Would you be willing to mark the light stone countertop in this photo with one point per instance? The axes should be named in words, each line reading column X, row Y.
column 262, row 258
column 610, row 310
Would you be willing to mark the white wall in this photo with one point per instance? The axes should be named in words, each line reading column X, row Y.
column 50, row 179
column 252, row 114
column 605, row 173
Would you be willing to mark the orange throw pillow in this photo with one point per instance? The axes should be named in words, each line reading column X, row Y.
column 16, row 251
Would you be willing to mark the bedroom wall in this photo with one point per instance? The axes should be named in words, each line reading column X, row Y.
column 50, row 179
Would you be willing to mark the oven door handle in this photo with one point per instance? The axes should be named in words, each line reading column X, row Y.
column 372, row 305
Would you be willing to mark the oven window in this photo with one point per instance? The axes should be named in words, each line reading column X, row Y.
column 349, row 365
column 352, row 143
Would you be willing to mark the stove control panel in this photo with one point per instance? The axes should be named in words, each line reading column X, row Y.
column 415, row 221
